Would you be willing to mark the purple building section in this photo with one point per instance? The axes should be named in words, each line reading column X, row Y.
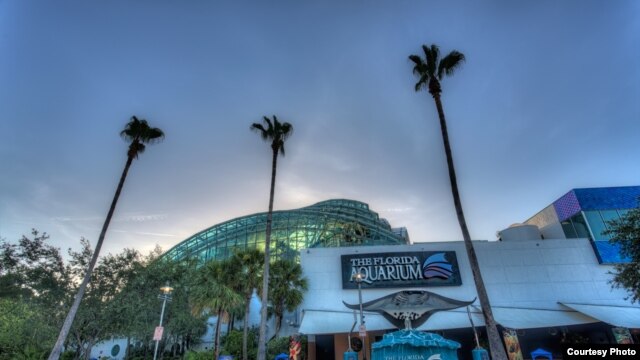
column 567, row 206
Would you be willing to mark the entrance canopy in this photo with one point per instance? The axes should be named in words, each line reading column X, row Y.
column 621, row 316
column 523, row 318
column 332, row 322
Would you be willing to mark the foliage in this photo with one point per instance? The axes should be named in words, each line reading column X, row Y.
column 625, row 232
column 36, row 288
column 232, row 344
column 246, row 266
column 32, row 269
column 202, row 355
column 432, row 69
column 287, row 287
column 277, row 346
column 137, row 306
column 33, row 283
column 212, row 293
column 24, row 329
column 98, row 317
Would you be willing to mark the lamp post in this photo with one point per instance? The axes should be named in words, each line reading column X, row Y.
column 165, row 296
column 358, row 278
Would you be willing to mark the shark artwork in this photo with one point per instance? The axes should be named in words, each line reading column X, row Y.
column 410, row 309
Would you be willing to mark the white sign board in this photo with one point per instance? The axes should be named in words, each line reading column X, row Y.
column 363, row 331
column 157, row 335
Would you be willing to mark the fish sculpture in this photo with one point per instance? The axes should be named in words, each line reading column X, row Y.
column 410, row 309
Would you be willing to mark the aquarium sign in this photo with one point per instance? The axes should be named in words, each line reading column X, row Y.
column 401, row 269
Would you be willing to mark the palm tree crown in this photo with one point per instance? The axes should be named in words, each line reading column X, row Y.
column 287, row 289
column 432, row 69
column 274, row 131
column 139, row 133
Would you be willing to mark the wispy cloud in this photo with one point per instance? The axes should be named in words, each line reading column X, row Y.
column 142, row 233
column 396, row 210
column 123, row 218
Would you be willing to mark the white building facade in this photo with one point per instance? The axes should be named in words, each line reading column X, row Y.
column 547, row 291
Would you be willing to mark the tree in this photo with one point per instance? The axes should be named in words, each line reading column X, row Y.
column 625, row 233
column 139, row 133
column 276, row 133
column 287, row 289
column 136, row 308
column 34, row 282
column 211, row 292
column 430, row 71
column 32, row 269
column 247, row 266
column 98, row 316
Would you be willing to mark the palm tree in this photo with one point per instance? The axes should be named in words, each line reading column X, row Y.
column 276, row 133
column 247, row 266
column 211, row 291
column 430, row 71
column 287, row 289
column 139, row 133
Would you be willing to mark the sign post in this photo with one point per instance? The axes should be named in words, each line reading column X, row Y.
column 363, row 331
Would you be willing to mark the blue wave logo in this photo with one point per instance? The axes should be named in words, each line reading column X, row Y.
column 436, row 266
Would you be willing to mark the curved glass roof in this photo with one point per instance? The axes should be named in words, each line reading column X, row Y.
column 331, row 223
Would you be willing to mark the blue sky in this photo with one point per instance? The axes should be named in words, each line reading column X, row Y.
column 547, row 101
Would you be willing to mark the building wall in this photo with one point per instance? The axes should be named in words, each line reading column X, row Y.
column 529, row 274
column 548, row 223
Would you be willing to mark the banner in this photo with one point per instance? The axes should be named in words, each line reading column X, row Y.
column 512, row 344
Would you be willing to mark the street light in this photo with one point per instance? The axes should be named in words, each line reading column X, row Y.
column 359, row 277
column 165, row 296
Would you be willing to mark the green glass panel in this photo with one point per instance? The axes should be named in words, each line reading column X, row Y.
column 568, row 229
column 580, row 225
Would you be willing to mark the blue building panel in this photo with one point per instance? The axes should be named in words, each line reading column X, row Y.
column 625, row 197
column 608, row 253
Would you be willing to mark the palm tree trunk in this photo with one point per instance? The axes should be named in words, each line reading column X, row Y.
column 495, row 343
column 57, row 348
column 245, row 334
column 126, row 351
column 216, row 340
column 278, row 325
column 262, row 340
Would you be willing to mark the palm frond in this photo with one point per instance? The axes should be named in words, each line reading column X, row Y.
column 152, row 135
column 269, row 123
column 422, row 83
column 261, row 130
column 450, row 63
column 416, row 59
column 431, row 56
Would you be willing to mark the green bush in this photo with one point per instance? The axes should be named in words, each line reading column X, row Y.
column 203, row 355
column 68, row 355
column 232, row 344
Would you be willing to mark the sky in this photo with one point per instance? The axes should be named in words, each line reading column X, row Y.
column 547, row 101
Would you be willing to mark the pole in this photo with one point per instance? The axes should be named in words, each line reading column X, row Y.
column 364, row 341
column 360, row 301
column 475, row 333
column 164, row 303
